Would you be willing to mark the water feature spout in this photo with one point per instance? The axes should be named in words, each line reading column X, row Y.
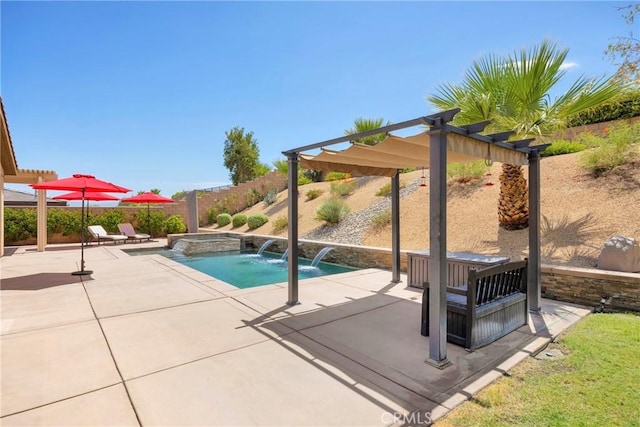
column 265, row 245
column 179, row 246
column 320, row 255
column 285, row 254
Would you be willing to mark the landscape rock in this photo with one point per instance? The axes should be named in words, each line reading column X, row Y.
column 620, row 254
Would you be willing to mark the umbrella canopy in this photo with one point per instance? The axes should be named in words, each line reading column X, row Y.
column 148, row 198
column 80, row 182
column 83, row 184
column 77, row 195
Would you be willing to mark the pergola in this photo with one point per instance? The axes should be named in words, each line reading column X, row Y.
column 432, row 149
column 14, row 175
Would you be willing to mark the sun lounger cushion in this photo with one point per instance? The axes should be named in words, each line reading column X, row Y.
column 128, row 230
column 100, row 234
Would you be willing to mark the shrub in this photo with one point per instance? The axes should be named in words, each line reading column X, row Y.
column 153, row 223
column 252, row 197
column 110, row 218
column 407, row 170
column 174, row 224
column 271, row 197
column 385, row 190
column 343, row 188
column 217, row 207
column 304, row 180
column 280, row 224
column 256, row 220
column 65, row 222
column 617, row 148
column 314, row 193
column 467, row 171
column 563, row 147
column 336, row 176
column 239, row 220
column 381, row 220
column 20, row 224
column 223, row 219
column 332, row 211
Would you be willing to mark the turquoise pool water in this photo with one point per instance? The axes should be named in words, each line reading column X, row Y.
column 247, row 269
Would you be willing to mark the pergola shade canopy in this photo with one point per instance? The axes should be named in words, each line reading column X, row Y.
column 396, row 152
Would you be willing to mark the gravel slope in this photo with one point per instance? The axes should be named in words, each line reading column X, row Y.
column 579, row 213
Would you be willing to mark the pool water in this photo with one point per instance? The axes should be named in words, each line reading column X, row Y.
column 248, row 269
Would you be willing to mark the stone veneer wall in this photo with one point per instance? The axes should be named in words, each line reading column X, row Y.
column 588, row 285
column 584, row 286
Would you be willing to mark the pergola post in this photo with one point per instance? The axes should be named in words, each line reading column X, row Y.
column 438, row 247
column 533, row 279
column 292, row 184
column 395, row 228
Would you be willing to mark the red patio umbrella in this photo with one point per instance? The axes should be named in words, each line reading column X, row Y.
column 77, row 195
column 84, row 184
column 148, row 198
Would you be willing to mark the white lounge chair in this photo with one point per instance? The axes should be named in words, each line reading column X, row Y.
column 99, row 234
column 128, row 230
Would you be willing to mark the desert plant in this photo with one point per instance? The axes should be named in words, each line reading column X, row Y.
column 381, row 220
column 280, row 223
column 271, row 197
column 332, row 211
column 562, row 146
column 174, row 224
column 385, row 190
column 252, row 197
column 304, row 180
column 223, row 219
column 336, row 176
column 314, row 193
column 239, row 220
column 467, row 171
column 343, row 188
column 617, row 148
column 256, row 220
column 149, row 222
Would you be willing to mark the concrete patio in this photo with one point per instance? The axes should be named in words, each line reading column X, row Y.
column 147, row 341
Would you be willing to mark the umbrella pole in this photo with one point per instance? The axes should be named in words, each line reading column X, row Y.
column 149, row 219
column 82, row 271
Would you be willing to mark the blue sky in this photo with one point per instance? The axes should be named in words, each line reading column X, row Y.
column 141, row 93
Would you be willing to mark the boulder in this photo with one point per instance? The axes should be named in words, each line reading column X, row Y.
column 620, row 254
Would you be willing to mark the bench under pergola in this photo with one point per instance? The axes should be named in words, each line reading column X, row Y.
column 432, row 148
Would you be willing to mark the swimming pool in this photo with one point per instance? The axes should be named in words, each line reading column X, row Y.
column 247, row 269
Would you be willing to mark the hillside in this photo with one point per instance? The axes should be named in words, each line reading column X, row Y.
column 579, row 213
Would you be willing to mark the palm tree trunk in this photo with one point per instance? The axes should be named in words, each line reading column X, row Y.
column 513, row 204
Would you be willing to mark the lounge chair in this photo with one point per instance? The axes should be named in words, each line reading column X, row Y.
column 128, row 230
column 99, row 234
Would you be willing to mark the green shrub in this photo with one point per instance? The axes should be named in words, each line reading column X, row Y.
column 152, row 223
column 110, row 218
column 280, row 223
column 304, row 180
column 314, row 193
column 625, row 107
column 174, row 224
column 467, row 171
column 343, row 188
column 332, row 211
column 385, row 190
column 563, row 147
column 20, row 224
column 217, row 207
column 64, row 221
column 271, row 197
column 256, row 220
column 336, row 176
column 239, row 220
column 223, row 219
column 617, row 148
column 407, row 170
column 381, row 220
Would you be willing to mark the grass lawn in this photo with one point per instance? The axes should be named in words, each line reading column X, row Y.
column 596, row 384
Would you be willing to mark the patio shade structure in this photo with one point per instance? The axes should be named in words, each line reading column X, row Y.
column 84, row 184
column 433, row 149
column 148, row 198
column 77, row 195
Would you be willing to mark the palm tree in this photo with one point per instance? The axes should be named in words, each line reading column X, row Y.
column 362, row 125
column 513, row 92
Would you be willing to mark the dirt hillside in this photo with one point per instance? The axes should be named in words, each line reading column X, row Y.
column 579, row 213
